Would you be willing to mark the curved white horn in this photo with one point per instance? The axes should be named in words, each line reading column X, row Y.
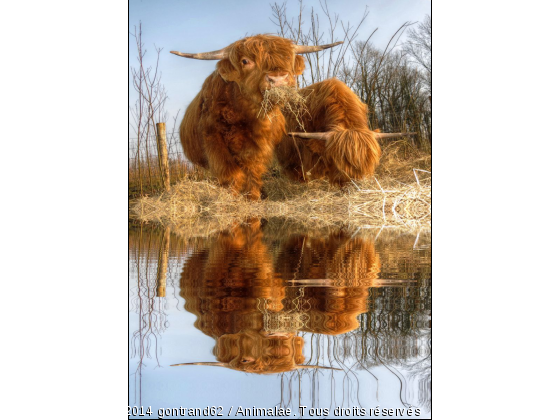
column 211, row 55
column 391, row 135
column 304, row 49
column 317, row 136
column 328, row 135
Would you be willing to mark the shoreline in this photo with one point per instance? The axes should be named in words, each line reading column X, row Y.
column 199, row 208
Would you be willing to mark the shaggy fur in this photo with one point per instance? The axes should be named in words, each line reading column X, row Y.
column 352, row 153
column 221, row 130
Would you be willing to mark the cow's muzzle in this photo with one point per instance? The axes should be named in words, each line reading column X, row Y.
column 278, row 80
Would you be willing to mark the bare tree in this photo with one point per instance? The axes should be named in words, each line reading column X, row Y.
column 148, row 109
column 419, row 48
column 325, row 64
column 392, row 88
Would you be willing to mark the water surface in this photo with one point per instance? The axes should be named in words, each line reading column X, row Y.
column 279, row 316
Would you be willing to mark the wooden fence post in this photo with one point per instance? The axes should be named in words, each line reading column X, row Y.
column 162, row 155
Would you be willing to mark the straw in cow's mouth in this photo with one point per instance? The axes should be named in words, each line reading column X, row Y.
column 287, row 99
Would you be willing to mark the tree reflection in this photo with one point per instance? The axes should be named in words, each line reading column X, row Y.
column 392, row 331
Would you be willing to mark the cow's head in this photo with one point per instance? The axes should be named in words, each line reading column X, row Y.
column 259, row 62
column 259, row 352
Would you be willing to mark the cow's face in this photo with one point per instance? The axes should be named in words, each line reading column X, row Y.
column 259, row 63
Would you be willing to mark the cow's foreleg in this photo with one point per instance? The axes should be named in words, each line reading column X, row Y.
column 227, row 170
column 253, row 185
column 230, row 175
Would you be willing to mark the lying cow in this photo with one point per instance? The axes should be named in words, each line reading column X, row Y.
column 222, row 130
column 337, row 142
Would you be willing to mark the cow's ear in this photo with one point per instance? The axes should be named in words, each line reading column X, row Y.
column 227, row 71
column 299, row 65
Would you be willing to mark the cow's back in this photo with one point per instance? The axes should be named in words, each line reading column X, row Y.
column 191, row 130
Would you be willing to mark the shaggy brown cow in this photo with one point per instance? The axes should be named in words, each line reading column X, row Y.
column 337, row 142
column 221, row 129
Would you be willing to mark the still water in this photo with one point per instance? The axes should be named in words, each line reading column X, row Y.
column 271, row 315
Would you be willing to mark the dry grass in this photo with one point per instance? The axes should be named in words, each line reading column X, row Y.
column 145, row 178
column 289, row 99
column 400, row 196
column 400, row 158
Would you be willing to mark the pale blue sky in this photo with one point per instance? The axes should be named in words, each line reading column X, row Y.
column 195, row 26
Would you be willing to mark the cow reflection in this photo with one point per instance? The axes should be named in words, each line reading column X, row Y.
column 334, row 274
column 254, row 308
column 224, row 284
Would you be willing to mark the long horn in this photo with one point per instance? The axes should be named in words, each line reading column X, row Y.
column 203, row 364
column 211, row 55
column 318, row 136
column 392, row 135
column 328, row 134
column 304, row 49
column 315, row 367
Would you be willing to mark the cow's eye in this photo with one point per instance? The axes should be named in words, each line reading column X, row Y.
column 245, row 61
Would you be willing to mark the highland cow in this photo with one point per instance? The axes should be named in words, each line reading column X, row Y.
column 222, row 130
column 337, row 142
